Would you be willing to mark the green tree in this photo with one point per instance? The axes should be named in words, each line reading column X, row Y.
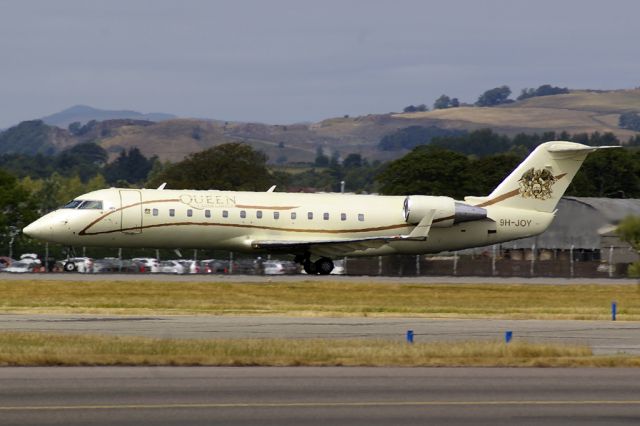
column 426, row 170
column 495, row 96
column 412, row 136
column 629, row 120
column 17, row 209
column 608, row 173
column 130, row 166
column 321, row 159
column 544, row 90
column 629, row 231
column 442, row 102
column 414, row 108
column 28, row 137
column 487, row 172
column 233, row 166
column 84, row 160
column 74, row 128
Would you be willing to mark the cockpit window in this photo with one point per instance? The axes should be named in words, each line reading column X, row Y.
column 91, row 204
column 72, row 204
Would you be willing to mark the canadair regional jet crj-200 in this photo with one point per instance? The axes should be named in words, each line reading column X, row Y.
column 316, row 228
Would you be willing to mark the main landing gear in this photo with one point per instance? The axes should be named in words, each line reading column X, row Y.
column 322, row 266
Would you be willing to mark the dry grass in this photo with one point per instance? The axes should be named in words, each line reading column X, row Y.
column 314, row 297
column 28, row 349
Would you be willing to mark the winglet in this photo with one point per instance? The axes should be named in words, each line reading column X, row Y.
column 422, row 229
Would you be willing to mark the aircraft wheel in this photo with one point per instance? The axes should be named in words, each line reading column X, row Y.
column 324, row 266
column 70, row 267
column 310, row 268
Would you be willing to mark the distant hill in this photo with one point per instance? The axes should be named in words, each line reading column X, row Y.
column 84, row 114
column 173, row 139
column 579, row 111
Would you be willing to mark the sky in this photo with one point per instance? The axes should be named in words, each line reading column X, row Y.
column 281, row 61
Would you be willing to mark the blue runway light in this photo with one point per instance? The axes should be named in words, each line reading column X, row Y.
column 410, row 336
column 614, row 307
column 508, row 335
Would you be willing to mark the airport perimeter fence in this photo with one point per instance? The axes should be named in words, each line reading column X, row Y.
column 482, row 266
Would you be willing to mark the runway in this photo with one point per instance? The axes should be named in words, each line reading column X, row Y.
column 604, row 337
column 318, row 396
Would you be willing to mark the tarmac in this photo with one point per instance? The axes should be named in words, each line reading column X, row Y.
column 318, row 396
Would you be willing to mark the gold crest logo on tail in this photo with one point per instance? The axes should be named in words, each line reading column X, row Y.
column 536, row 184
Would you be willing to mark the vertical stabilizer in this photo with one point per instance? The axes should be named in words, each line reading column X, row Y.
column 541, row 179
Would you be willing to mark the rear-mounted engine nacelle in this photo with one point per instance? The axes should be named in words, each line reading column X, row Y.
column 448, row 211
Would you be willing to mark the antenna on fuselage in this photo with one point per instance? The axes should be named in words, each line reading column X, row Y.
column 161, row 187
column 273, row 188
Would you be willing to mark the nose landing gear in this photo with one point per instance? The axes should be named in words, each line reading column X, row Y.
column 69, row 265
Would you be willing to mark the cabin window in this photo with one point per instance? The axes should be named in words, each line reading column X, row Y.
column 207, row 213
column 325, row 216
column 172, row 212
column 189, row 213
column 361, row 217
column 293, row 215
column 276, row 215
column 310, row 215
column 155, row 212
column 343, row 216
column 225, row 213
column 243, row 214
column 259, row 214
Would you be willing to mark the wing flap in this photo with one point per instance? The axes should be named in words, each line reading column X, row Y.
column 341, row 246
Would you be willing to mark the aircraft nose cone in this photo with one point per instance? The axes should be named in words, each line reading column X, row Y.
column 37, row 229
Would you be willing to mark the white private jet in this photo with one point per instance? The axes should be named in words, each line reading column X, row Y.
column 318, row 227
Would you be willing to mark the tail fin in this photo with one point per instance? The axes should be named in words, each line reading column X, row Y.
column 541, row 179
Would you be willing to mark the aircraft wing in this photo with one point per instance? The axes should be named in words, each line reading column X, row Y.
column 339, row 247
column 330, row 248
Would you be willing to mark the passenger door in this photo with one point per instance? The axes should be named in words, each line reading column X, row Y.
column 131, row 211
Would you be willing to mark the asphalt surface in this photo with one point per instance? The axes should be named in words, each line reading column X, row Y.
column 604, row 337
column 302, row 278
column 318, row 396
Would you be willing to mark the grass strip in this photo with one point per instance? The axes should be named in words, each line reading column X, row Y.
column 40, row 349
column 318, row 298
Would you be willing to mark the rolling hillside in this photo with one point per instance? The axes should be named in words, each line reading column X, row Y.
column 575, row 112
column 173, row 139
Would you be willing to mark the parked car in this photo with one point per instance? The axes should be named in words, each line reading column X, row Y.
column 171, row 267
column 22, row 266
column 5, row 262
column 279, row 267
column 214, row 266
column 148, row 263
column 190, row 266
column 115, row 265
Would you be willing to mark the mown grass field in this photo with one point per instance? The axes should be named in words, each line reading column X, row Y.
column 28, row 349
column 318, row 298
